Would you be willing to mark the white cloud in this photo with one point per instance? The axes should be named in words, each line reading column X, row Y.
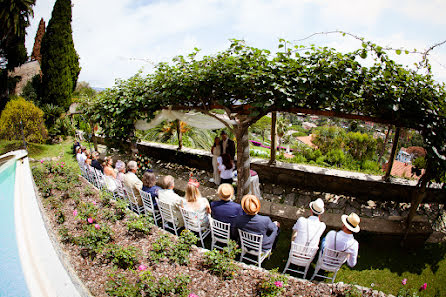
column 116, row 38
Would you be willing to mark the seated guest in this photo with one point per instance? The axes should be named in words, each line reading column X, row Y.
column 343, row 240
column 225, row 168
column 167, row 195
column 308, row 231
column 95, row 163
column 131, row 181
column 81, row 156
column 120, row 168
column 194, row 202
column 149, row 186
column 257, row 224
column 76, row 144
column 108, row 169
column 88, row 158
column 226, row 210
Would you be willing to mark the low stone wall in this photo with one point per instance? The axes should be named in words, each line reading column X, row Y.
column 306, row 177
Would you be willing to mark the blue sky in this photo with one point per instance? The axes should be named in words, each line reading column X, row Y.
column 115, row 39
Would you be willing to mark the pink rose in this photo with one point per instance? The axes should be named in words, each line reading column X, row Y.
column 97, row 226
column 423, row 287
column 90, row 220
column 74, row 212
column 41, row 161
column 192, row 295
column 94, row 202
column 404, row 281
column 278, row 284
column 142, row 267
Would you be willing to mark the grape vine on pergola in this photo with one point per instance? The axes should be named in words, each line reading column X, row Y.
column 247, row 83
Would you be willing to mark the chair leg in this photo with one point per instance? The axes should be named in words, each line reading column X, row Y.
column 175, row 229
column 314, row 274
column 154, row 218
column 202, row 241
column 286, row 266
column 306, row 270
column 334, row 276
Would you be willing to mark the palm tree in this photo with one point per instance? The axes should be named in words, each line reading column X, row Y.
column 14, row 17
column 192, row 137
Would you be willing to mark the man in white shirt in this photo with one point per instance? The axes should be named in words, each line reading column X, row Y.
column 343, row 240
column 131, row 181
column 167, row 195
column 81, row 156
column 308, row 231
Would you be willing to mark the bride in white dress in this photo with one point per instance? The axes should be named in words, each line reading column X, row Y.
column 216, row 152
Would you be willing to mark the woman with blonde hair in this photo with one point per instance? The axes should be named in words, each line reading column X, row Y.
column 108, row 169
column 194, row 202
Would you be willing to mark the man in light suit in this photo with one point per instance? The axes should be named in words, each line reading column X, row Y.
column 167, row 195
column 131, row 181
column 227, row 145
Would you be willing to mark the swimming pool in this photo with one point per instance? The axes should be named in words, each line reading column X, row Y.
column 12, row 279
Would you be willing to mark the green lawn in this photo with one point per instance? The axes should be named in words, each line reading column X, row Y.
column 382, row 264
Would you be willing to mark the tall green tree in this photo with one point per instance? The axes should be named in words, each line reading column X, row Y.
column 14, row 19
column 60, row 62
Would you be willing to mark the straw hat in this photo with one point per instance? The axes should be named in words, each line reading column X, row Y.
column 225, row 191
column 250, row 204
column 351, row 222
column 317, row 206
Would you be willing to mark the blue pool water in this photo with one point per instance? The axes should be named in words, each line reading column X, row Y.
column 12, row 280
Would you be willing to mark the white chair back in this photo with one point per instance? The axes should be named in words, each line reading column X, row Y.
column 133, row 201
column 220, row 232
column 148, row 206
column 300, row 255
column 167, row 216
column 332, row 260
column 252, row 244
column 193, row 222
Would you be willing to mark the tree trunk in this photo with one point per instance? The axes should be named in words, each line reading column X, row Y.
column 383, row 150
column 243, row 160
column 93, row 137
column 133, row 145
column 417, row 198
column 392, row 154
column 272, row 159
column 180, row 135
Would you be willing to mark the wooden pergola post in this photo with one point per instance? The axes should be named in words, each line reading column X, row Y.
column 179, row 134
column 384, row 144
column 392, row 154
column 272, row 158
column 93, row 136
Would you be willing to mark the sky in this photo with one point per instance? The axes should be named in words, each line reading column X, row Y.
column 116, row 38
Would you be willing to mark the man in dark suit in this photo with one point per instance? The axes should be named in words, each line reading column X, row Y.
column 95, row 163
column 257, row 224
column 227, row 145
column 226, row 210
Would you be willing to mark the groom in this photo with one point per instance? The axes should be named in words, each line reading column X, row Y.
column 227, row 145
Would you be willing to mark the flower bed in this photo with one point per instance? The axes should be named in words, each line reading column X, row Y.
column 116, row 253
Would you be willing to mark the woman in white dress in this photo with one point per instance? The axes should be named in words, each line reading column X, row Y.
column 216, row 152
column 195, row 203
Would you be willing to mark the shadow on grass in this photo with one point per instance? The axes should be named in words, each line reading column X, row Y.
column 33, row 148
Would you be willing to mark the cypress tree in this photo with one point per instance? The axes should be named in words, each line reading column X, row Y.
column 60, row 62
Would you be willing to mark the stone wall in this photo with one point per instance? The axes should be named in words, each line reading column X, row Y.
column 305, row 177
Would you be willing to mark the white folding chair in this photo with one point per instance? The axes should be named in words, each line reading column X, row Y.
column 252, row 244
column 90, row 174
column 329, row 260
column 302, row 256
column 98, row 179
column 149, row 207
column 193, row 222
column 220, row 232
column 83, row 169
column 167, row 216
column 119, row 193
column 133, row 201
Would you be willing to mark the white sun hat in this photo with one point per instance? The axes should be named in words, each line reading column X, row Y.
column 317, row 206
column 351, row 222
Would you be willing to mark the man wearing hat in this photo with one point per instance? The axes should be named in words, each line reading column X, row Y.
column 226, row 210
column 343, row 240
column 252, row 222
column 308, row 231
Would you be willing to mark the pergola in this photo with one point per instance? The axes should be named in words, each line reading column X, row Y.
column 247, row 83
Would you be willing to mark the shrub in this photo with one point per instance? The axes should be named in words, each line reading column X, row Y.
column 65, row 235
column 139, row 225
column 95, row 238
column 164, row 286
column 177, row 252
column 119, row 286
column 19, row 110
column 370, row 166
column 122, row 257
column 335, row 157
column 272, row 285
column 87, row 210
column 222, row 263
